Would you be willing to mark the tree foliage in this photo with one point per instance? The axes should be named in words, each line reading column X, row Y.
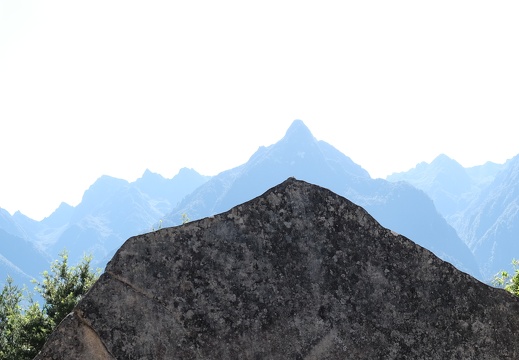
column 64, row 286
column 10, row 299
column 24, row 324
column 507, row 281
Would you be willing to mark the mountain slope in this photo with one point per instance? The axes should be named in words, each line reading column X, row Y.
column 480, row 202
column 20, row 259
column 8, row 224
column 110, row 212
column 300, row 155
column 451, row 186
column 491, row 224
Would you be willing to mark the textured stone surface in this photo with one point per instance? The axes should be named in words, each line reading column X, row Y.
column 297, row 273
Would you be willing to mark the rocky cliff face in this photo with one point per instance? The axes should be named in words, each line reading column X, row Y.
column 297, row 273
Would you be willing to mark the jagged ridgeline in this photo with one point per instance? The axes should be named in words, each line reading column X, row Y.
column 296, row 273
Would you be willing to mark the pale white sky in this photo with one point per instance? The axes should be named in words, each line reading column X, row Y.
column 114, row 87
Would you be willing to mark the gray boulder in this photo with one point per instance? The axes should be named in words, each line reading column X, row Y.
column 296, row 273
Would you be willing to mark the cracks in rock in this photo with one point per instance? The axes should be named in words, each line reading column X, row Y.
column 92, row 333
column 323, row 345
column 141, row 292
column 149, row 296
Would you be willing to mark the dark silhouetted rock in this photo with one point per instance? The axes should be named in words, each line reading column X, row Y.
column 296, row 273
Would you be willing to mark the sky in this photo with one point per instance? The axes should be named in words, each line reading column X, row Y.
column 116, row 87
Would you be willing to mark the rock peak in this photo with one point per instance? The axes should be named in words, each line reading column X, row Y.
column 298, row 272
column 297, row 124
column 299, row 131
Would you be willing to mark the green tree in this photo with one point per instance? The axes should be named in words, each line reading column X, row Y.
column 24, row 324
column 22, row 330
column 34, row 328
column 10, row 311
column 64, row 285
column 507, row 281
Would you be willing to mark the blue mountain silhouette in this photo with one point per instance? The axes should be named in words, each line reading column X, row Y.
column 400, row 207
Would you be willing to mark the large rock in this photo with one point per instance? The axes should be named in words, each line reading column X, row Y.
column 297, row 273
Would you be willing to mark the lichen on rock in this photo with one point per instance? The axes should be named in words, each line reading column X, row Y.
column 296, row 273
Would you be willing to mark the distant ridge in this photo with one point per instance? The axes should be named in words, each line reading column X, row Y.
column 479, row 202
column 451, row 186
column 400, row 207
column 110, row 212
column 490, row 224
column 115, row 209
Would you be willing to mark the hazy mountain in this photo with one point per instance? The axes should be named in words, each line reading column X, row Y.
column 9, row 225
column 8, row 269
column 480, row 202
column 61, row 216
column 476, row 201
column 166, row 193
column 451, row 186
column 490, row 225
column 20, row 259
column 400, row 207
column 483, row 175
column 111, row 211
column 403, row 208
column 298, row 154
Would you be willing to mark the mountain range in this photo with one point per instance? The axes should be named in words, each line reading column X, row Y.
column 481, row 203
column 398, row 206
column 465, row 216
column 110, row 211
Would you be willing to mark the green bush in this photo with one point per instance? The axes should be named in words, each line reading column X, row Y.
column 509, row 282
column 24, row 324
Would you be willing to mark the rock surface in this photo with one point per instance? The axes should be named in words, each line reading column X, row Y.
column 297, row 273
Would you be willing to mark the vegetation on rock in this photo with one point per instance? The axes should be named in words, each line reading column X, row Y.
column 507, row 281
